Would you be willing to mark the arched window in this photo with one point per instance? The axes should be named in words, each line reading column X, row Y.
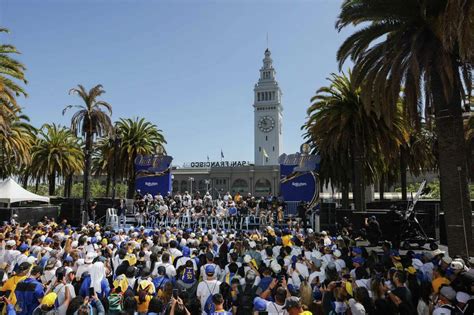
column 184, row 186
column 263, row 187
column 239, row 185
column 175, row 186
column 202, row 187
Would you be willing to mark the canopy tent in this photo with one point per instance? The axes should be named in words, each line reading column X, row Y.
column 11, row 192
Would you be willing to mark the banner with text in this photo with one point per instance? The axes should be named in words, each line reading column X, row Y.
column 153, row 174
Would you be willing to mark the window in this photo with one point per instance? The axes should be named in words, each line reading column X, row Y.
column 258, row 96
column 259, row 149
column 266, row 138
column 273, row 148
column 266, row 159
column 273, row 95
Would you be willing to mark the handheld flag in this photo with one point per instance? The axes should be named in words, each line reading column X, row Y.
column 222, row 154
column 265, row 153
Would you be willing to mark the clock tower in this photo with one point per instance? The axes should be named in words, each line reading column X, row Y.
column 267, row 115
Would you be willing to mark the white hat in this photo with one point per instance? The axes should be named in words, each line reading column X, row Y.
column 417, row 263
column 276, row 268
column 252, row 244
column 337, row 253
column 457, row 265
column 438, row 251
column 74, row 244
column 247, row 259
column 89, row 257
column 11, row 243
column 31, row 260
column 324, row 233
column 310, row 231
column 462, row 297
column 447, row 260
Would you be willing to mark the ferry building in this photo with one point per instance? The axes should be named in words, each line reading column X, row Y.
column 260, row 178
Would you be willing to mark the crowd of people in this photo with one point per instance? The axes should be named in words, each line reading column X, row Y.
column 226, row 211
column 54, row 268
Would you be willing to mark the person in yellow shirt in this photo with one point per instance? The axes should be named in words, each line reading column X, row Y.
column 293, row 307
column 10, row 284
column 145, row 291
column 439, row 278
column 286, row 238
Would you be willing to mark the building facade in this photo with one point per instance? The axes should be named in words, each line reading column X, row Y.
column 257, row 180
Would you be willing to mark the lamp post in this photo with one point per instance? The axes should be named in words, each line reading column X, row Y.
column 207, row 182
column 117, row 143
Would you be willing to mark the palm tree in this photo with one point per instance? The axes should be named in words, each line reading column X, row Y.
column 102, row 160
column 57, row 152
column 91, row 120
column 10, row 71
column 15, row 143
column 426, row 45
column 350, row 138
column 139, row 137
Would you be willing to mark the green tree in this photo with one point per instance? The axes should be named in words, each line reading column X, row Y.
column 139, row 137
column 426, row 45
column 57, row 152
column 15, row 144
column 11, row 71
column 102, row 160
column 91, row 120
column 350, row 138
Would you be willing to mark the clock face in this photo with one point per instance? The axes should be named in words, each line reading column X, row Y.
column 266, row 124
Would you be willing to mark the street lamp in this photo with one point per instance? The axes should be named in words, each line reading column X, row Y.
column 207, row 182
column 117, row 143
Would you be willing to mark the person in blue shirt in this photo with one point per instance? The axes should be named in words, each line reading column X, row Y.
column 29, row 292
column 233, row 215
column 160, row 281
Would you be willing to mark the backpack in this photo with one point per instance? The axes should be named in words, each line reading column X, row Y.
column 209, row 306
column 245, row 299
column 115, row 302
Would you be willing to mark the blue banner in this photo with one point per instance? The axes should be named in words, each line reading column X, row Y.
column 299, row 177
column 153, row 174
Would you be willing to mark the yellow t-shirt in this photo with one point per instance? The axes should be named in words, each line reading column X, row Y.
column 143, row 307
column 10, row 285
column 438, row 282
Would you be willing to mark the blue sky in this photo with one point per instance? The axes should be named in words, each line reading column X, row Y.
column 189, row 66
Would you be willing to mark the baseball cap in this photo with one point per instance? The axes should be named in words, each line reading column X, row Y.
column 210, row 269
column 23, row 247
column 259, row 304
column 462, row 297
column 337, row 253
column 448, row 292
column 186, row 251
column 447, row 260
column 357, row 250
column 292, row 301
column 358, row 260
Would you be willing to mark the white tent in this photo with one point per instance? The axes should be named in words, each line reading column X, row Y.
column 11, row 192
